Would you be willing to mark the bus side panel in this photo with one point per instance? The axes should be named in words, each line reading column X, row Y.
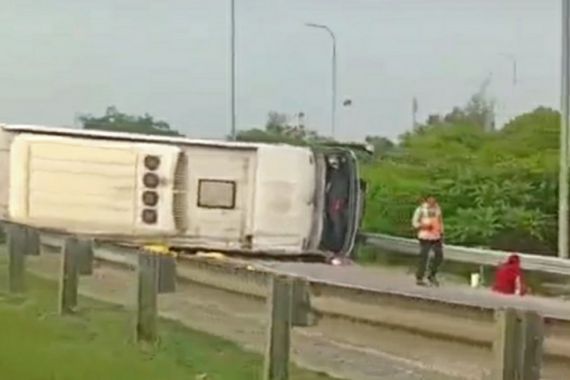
column 285, row 199
column 219, row 195
column 5, row 141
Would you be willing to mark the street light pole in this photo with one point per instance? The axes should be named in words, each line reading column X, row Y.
column 513, row 60
column 564, row 124
column 333, row 73
column 515, row 72
column 233, row 70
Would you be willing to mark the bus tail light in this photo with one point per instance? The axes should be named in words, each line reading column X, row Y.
column 149, row 216
column 151, row 180
column 150, row 198
column 152, row 162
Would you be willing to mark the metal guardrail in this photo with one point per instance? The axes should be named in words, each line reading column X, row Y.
column 479, row 256
column 124, row 257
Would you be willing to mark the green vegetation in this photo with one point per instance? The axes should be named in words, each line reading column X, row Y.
column 116, row 121
column 278, row 129
column 497, row 189
column 37, row 344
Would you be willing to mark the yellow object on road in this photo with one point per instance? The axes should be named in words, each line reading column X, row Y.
column 159, row 249
column 211, row 255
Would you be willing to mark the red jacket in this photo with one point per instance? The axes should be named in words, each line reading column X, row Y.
column 507, row 276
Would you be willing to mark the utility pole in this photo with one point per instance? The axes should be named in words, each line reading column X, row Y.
column 490, row 117
column 233, row 70
column 333, row 98
column 514, row 63
column 515, row 72
column 334, row 73
column 564, row 120
column 415, row 113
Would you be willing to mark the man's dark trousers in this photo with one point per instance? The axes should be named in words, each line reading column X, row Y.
column 425, row 247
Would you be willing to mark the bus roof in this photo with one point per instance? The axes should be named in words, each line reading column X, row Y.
column 136, row 137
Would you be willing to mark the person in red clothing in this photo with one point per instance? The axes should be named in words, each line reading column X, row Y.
column 509, row 278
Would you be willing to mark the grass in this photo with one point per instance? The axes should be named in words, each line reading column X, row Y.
column 37, row 344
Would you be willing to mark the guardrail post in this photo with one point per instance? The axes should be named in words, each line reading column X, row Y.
column 84, row 251
column 518, row 346
column 147, row 297
column 302, row 315
column 505, row 345
column 532, row 345
column 276, row 364
column 17, row 247
column 166, row 274
column 32, row 242
column 69, row 276
column 483, row 275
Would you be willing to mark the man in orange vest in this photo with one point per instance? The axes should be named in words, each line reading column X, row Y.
column 428, row 222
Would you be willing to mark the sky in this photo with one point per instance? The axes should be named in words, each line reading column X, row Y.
column 171, row 58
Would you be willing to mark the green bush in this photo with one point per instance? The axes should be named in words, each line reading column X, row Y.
column 496, row 189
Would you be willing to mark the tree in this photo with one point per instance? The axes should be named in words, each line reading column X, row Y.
column 382, row 145
column 279, row 130
column 276, row 123
column 479, row 111
column 115, row 121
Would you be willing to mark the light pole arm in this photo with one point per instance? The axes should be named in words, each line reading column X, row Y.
column 320, row 26
column 331, row 33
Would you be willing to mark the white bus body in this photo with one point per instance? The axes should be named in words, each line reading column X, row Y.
column 192, row 194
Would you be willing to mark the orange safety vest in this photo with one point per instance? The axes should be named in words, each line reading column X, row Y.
column 429, row 222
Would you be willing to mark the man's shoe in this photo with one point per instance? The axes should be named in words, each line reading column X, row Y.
column 433, row 281
column 420, row 282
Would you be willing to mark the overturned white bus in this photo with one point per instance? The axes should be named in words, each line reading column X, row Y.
column 194, row 195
